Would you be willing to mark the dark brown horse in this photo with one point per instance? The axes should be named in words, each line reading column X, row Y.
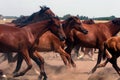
column 111, row 52
column 50, row 42
column 23, row 40
column 98, row 33
column 84, row 49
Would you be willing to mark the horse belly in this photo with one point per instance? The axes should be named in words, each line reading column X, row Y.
column 44, row 46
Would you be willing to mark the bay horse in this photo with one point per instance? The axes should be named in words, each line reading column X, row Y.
column 111, row 52
column 50, row 42
column 22, row 21
column 86, row 51
column 23, row 40
column 98, row 33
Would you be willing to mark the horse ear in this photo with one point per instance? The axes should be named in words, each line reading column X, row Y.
column 41, row 7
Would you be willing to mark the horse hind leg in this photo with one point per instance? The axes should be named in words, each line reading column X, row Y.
column 26, row 56
column 98, row 62
column 103, row 64
column 19, row 62
column 113, row 61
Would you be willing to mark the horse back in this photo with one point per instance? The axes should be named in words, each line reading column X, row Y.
column 13, row 38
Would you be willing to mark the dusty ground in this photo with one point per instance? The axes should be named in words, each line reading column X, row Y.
column 56, row 70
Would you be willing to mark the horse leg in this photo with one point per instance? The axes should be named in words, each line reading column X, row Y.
column 103, row 64
column 40, row 62
column 90, row 53
column 19, row 62
column 113, row 61
column 68, row 50
column 98, row 62
column 76, row 49
column 82, row 54
column 28, row 61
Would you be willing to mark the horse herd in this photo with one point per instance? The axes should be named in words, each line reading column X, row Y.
column 43, row 31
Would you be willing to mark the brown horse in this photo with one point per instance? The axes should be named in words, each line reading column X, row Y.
column 50, row 42
column 41, row 15
column 84, row 49
column 98, row 33
column 27, row 39
column 111, row 52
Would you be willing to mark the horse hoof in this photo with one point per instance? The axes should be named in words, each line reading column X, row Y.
column 16, row 74
column 74, row 65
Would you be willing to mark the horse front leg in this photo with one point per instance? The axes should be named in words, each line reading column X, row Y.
column 26, row 56
column 68, row 50
column 76, row 49
column 64, row 56
column 40, row 62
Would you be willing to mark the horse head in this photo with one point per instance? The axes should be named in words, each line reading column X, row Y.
column 57, row 28
column 89, row 21
column 116, row 21
column 46, row 10
column 74, row 22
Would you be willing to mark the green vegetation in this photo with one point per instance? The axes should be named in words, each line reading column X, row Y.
column 86, row 17
column 68, row 15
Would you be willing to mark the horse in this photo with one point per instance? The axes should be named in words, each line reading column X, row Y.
column 49, row 42
column 41, row 15
column 98, row 33
column 86, row 51
column 27, row 39
column 111, row 52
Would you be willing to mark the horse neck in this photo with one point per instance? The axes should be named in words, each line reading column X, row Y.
column 66, row 28
column 37, row 28
column 35, row 17
column 113, row 29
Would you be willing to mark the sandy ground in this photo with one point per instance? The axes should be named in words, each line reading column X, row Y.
column 56, row 70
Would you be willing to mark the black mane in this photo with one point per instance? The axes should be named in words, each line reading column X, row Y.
column 35, row 17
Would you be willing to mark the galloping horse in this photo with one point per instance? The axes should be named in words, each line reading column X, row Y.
column 85, row 50
column 112, row 52
column 50, row 42
column 98, row 33
column 41, row 15
column 23, row 40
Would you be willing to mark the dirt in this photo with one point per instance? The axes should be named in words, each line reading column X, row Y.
column 56, row 70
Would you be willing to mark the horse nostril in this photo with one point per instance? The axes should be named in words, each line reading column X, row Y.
column 85, row 32
column 64, row 38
